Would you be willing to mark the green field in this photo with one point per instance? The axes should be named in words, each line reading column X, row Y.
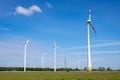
column 59, row 75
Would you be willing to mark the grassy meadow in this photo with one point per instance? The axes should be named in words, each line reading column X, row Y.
column 60, row 75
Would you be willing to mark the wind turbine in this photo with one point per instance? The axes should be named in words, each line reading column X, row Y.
column 65, row 63
column 42, row 59
column 54, row 46
column 25, row 44
column 89, row 54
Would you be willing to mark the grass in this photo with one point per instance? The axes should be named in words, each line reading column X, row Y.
column 59, row 75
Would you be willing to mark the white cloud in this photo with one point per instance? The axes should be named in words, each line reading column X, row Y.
column 4, row 29
column 106, row 52
column 107, row 44
column 29, row 11
column 48, row 5
column 79, row 47
column 96, row 52
column 97, row 45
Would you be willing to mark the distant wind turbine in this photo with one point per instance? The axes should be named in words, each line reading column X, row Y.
column 55, row 46
column 89, row 54
column 25, row 44
column 65, row 64
column 42, row 59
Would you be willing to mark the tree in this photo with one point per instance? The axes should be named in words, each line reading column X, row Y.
column 109, row 69
column 101, row 69
column 85, row 69
column 76, row 69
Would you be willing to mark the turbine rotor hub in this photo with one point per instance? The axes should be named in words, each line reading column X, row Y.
column 88, row 21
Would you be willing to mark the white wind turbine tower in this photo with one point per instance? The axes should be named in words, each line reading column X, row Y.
column 25, row 45
column 89, row 54
column 65, row 63
column 54, row 46
column 42, row 59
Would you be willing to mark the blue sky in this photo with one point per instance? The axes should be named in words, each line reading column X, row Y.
column 42, row 21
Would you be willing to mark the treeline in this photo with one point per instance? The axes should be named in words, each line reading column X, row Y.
column 102, row 69
column 21, row 69
column 51, row 69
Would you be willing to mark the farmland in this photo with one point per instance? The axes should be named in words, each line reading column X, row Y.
column 113, row 75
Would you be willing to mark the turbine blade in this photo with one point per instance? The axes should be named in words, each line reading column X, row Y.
column 92, row 27
column 89, row 14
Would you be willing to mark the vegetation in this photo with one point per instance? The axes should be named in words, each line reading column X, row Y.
column 62, row 75
column 16, row 73
column 51, row 69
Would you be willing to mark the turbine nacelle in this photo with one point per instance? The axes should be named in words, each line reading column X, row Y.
column 55, row 46
column 26, row 42
column 88, row 21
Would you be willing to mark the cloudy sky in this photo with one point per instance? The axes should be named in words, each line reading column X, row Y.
column 42, row 21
